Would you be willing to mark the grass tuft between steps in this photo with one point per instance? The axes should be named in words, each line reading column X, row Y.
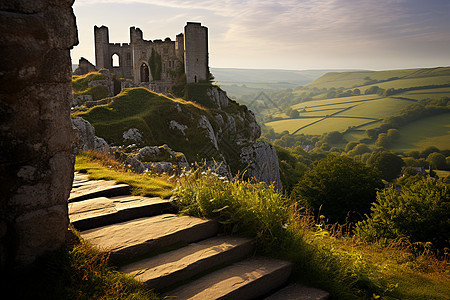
column 76, row 271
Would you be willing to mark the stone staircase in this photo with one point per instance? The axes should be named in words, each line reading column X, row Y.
column 180, row 257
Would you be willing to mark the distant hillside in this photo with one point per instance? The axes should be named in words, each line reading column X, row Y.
column 355, row 102
column 383, row 79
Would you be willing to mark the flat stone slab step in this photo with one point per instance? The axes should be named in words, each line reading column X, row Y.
column 97, row 188
column 133, row 239
column 297, row 291
column 103, row 211
column 175, row 266
column 247, row 279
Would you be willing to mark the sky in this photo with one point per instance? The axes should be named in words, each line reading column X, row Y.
column 290, row 34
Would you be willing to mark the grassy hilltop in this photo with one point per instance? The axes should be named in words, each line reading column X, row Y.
column 354, row 102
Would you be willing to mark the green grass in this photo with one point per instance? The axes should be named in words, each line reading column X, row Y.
column 151, row 114
column 80, row 85
column 377, row 109
column 102, row 167
column 328, row 103
column 428, row 93
column 412, row 82
column 432, row 131
column 322, row 257
column 332, row 124
column 406, row 78
column 290, row 125
column 77, row 271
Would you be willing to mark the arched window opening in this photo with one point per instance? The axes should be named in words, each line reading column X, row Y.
column 144, row 73
column 195, row 78
column 115, row 60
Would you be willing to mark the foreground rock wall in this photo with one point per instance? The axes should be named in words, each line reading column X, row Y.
column 36, row 134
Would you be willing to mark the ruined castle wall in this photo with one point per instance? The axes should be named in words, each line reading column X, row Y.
column 36, row 134
column 142, row 51
column 196, row 52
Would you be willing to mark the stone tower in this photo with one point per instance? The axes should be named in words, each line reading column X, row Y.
column 196, row 60
column 101, row 38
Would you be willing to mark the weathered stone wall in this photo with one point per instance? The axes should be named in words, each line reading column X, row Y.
column 84, row 67
column 36, row 134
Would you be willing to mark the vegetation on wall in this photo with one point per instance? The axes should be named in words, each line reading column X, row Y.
column 155, row 65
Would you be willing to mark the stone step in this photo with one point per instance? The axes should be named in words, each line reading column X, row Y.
column 133, row 239
column 247, row 279
column 296, row 291
column 173, row 267
column 103, row 211
column 97, row 188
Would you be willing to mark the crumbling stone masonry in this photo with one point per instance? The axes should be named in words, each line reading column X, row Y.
column 36, row 134
column 189, row 52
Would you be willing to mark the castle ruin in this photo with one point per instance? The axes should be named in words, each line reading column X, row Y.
column 155, row 64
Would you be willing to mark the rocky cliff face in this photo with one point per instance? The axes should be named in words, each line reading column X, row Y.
column 215, row 128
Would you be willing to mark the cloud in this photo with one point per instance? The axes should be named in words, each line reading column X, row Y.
column 308, row 27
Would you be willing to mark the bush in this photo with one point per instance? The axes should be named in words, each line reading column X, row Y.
column 338, row 187
column 420, row 213
column 389, row 164
column 254, row 210
column 437, row 161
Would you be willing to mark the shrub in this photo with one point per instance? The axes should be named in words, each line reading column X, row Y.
column 338, row 187
column 252, row 209
column 437, row 161
column 420, row 213
column 389, row 164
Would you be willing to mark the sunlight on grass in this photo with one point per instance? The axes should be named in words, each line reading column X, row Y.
column 142, row 184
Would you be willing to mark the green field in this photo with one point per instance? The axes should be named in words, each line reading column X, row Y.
column 368, row 111
column 290, row 125
column 377, row 109
column 387, row 79
column 332, row 124
column 432, row 131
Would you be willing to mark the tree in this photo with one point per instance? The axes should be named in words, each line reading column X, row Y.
column 428, row 151
column 350, row 146
column 437, row 161
column 359, row 149
column 333, row 137
column 419, row 214
column 338, row 187
column 293, row 114
column 382, row 140
column 389, row 164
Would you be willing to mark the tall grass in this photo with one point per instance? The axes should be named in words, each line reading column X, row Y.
column 324, row 256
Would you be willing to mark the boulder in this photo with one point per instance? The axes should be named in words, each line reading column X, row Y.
column 132, row 135
column 87, row 140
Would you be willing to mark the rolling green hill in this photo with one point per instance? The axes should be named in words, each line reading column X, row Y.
column 353, row 108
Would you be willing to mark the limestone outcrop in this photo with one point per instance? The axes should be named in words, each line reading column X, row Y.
column 156, row 159
column 262, row 161
column 87, row 140
column 210, row 128
column 36, row 134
